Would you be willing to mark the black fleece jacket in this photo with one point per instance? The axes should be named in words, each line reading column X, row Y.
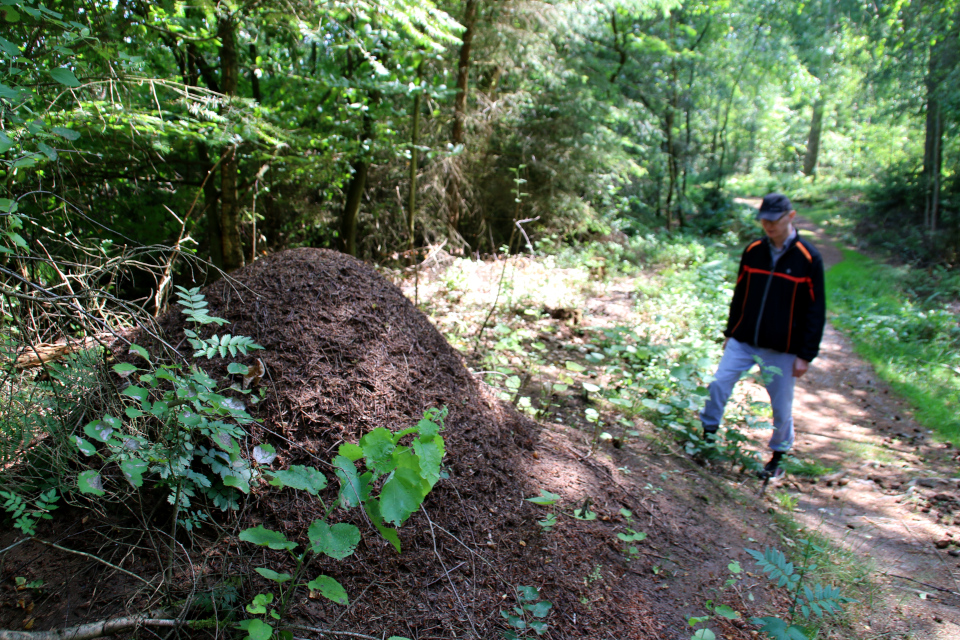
column 783, row 309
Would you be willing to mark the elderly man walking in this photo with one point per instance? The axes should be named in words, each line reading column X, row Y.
column 776, row 319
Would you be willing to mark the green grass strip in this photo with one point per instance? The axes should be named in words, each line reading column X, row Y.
column 913, row 346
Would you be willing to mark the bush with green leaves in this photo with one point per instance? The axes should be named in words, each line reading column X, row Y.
column 807, row 604
column 396, row 480
column 179, row 430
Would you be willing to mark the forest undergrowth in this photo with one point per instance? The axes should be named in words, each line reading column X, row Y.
column 633, row 373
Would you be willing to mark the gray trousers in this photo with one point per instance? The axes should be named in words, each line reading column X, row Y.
column 738, row 358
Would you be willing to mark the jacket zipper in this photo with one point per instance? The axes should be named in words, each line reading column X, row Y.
column 766, row 290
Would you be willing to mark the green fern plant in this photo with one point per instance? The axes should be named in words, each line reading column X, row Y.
column 177, row 430
column 806, row 602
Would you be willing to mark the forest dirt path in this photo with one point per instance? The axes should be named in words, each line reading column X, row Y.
column 893, row 498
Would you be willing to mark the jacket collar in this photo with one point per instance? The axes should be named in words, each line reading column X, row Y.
column 791, row 240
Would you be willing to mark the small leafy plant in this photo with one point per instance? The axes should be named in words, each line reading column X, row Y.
column 179, row 430
column 546, row 499
column 806, row 602
column 24, row 517
column 631, row 536
column 404, row 475
column 529, row 613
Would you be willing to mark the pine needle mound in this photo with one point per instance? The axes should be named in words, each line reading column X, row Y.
column 345, row 353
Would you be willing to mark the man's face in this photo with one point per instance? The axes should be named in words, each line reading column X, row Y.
column 778, row 230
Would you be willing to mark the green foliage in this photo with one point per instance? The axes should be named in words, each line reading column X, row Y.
column 529, row 614
column 806, row 601
column 417, row 463
column 176, row 422
column 25, row 517
column 913, row 340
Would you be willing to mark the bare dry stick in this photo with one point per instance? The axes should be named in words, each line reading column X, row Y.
column 449, row 579
column 92, row 557
column 327, row 632
column 90, row 630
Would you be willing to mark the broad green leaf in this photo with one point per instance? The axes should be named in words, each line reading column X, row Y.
column 85, row 447
column 574, row 366
column 704, row 634
column 273, row 575
column 350, row 485
column 539, row 626
column 734, row 567
column 237, row 368
column 299, row 477
column 528, row 594
column 431, row 454
column 12, row 50
column 65, row 77
column 590, row 388
column 372, row 507
column 266, row 538
column 329, row 589
column 10, row 14
column 237, row 483
column 72, row 135
column 539, row 609
column 90, row 482
column 47, row 150
column 545, row 498
column 124, row 367
column 401, row 496
column 98, row 430
column 350, row 451
column 259, row 630
column 5, row 142
column 378, row 450
column 8, row 93
column 135, row 392
column 337, row 541
column 264, row 453
column 726, row 612
column 133, row 471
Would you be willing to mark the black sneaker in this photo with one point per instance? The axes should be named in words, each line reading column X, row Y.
column 772, row 470
column 710, row 435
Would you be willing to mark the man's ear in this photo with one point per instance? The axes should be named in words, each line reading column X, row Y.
column 792, row 214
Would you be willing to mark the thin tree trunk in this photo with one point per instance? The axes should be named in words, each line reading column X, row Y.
column 414, row 141
column 254, row 76
column 351, row 208
column 229, row 163
column 460, row 110
column 813, row 139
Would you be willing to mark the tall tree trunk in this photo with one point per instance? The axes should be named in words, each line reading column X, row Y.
column 460, row 110
column 229, row 164
column 351, row 208
column 211, row 201
column 943, row 59
column 813, row 139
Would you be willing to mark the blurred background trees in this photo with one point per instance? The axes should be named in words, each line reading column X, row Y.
column 231, row 129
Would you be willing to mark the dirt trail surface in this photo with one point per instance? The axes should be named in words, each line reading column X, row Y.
column 894, row 496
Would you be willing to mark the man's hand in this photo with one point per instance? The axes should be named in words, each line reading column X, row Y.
column 800, row 367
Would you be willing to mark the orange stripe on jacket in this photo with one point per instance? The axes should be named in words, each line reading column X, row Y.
column 743, row 307
column 808, row 280
column 804, row 251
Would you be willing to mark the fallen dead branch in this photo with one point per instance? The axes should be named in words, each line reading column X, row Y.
column 92, row 629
